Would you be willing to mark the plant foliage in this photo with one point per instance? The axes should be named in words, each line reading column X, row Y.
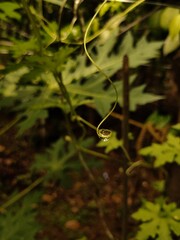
column 32, row 83
column 54, row 160
column 167, row 152
column 112, row 144
column 20, row 221
column 44, row 67
column 170, row 20
column 158, row 220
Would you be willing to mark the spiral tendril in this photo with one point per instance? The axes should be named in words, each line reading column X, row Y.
column 105, row 134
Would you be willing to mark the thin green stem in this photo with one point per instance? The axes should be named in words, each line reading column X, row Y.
column 93, row 153
column 9, row 125
column 122, row 15
column 99, row 68
column 135, row 165
column 79, row 118
column 65, row 93
column 99, row 205
column 40, row 7
column 34, row 25
column 60, row 18
column 21, row 194
column 126, row 154
column 79, row 151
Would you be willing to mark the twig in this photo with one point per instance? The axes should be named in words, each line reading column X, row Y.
column 98, row 203
column 131, row 121
column 21, row 194
column 76, row 144
column 125, row 131
column 60, row 17
column 94, row 153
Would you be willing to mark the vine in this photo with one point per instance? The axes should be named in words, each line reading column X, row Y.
column 105, row 134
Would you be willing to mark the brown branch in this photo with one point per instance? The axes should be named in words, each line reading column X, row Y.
column 131, row 121
column 120, row 117
column 125, row 138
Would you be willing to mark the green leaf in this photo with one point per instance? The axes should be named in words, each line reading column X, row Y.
column 166, row 152
column 147, row 212
column 77, row 69
column 152, row 207
column 154, row 20
column 167, row 16
column 158, row 120
column 111, row 144
column 175, row 227
column 105, row 9
column 30, row 118
column 51, row 63
column 9, row 87
column 176, row 126
column 21, row 48
column 174, row 27
column 143, row 215
column 142, row 52
column 148, row 230
column 101, row 106
column 159, row 185
column 176, row 214
column 9, row 10
column 171, row 44
column 158, row 220
column 139, row 97
column 164, row 230
column 108, row 60
column 110, row 6
column 20, row 221
column 54, row 160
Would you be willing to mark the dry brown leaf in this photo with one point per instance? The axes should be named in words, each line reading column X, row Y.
column 2, row 148
column 72, row 224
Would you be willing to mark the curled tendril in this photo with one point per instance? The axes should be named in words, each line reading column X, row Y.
column 105, row 134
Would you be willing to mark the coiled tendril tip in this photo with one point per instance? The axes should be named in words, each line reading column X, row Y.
column 104, row 134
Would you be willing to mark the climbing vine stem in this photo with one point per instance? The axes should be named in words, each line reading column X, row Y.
column 105, row 134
